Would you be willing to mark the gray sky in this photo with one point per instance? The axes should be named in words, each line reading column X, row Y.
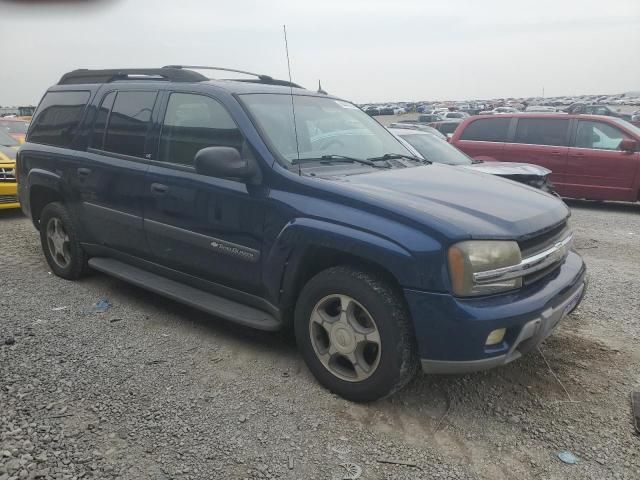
column 362, row 50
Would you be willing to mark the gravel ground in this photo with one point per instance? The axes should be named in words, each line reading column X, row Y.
column 151, row 389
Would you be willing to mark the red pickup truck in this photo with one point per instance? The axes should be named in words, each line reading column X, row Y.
column 590, row 156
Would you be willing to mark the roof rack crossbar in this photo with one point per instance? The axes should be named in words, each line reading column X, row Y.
column 105, row 76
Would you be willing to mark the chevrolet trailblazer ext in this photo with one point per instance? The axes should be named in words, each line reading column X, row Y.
column 205, row 192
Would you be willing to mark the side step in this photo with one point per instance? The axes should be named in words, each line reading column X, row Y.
column 205, row 301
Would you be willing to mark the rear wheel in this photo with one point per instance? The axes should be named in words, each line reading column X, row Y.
column 355, row 334
column 60, row 244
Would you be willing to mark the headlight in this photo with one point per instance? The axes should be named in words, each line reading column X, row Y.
column 467, row 258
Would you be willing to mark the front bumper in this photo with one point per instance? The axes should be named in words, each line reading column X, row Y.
column 9, row 195
column 451, row 332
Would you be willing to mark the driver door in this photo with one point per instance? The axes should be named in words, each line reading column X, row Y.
column 210, row 228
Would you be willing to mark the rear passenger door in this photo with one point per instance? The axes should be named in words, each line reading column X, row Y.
column 597, row 168
column 208, row 227
column 111, row 177
column 483, row 139
column 541, row 141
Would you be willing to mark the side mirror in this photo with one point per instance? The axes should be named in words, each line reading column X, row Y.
column 225, row 162
column 628, row 145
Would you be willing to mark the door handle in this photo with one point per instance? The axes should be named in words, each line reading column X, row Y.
column 159, row 189
column 556, row 154
column 83, row 172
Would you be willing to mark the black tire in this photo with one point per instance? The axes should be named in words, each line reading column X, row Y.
column 77, row 264
column 398, row 360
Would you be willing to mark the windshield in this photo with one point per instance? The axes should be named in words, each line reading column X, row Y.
column 325, row 126
column 13, row 126
column 6, row 140
column 435, row 149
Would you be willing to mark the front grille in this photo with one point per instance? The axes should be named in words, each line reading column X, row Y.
column 7, row 175
column 539, row 243
column 8, row 199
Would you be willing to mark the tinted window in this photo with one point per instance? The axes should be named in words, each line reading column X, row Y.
column 57, row 118
column 487, row 129
column 101, row 120
column 598, row 135
column 542, row 131
column 193, row 122
column 129, row 122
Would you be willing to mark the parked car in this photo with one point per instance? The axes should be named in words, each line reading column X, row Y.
column 596, row 110
column 449, row 115
column 372, row 111
column 446, row 127
column 15, row 127
column 8, row 187
column 540, row 109
column 205, row 191
column 590, row 156
column 409, row 125
column 429, row 117
column 438, row 150
column 501, row 110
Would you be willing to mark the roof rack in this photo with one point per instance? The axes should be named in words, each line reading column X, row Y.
column 105, row 76
column 261, row 78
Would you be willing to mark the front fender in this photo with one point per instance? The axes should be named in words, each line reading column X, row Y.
column 301, row 235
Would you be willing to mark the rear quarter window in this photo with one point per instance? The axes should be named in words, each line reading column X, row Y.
column 487, row 130
column 57, row 118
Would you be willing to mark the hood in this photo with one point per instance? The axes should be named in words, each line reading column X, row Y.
column 458, row 202
column 7, row 154
column 509, row 168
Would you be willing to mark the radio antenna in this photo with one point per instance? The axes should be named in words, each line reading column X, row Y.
column 293, row 107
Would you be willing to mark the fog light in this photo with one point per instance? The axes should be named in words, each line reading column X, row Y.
column 495, row 337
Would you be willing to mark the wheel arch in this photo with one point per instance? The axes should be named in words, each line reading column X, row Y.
column 39, row 197
column 307, row 247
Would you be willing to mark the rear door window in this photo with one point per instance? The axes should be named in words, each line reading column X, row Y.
column 129, row 123
column 57, row 118
column 542, row 131
column 598, row 135
column 193, row 122
column 487, row 130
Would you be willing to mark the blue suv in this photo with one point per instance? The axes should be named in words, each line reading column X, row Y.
column 275, row 207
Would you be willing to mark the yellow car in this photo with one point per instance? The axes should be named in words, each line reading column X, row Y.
column 8, row 185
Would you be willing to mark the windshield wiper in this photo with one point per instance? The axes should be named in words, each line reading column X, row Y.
column 393, row 156
column 329, row 159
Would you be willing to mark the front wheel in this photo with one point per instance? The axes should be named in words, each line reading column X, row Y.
column 355, row 334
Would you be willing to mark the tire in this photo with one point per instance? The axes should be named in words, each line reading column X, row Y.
column 66, row 258
column 372, row 304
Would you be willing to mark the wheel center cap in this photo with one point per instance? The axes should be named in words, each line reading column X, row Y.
column 343, row 339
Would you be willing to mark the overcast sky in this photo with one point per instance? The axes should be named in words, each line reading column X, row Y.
column 362, row 50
